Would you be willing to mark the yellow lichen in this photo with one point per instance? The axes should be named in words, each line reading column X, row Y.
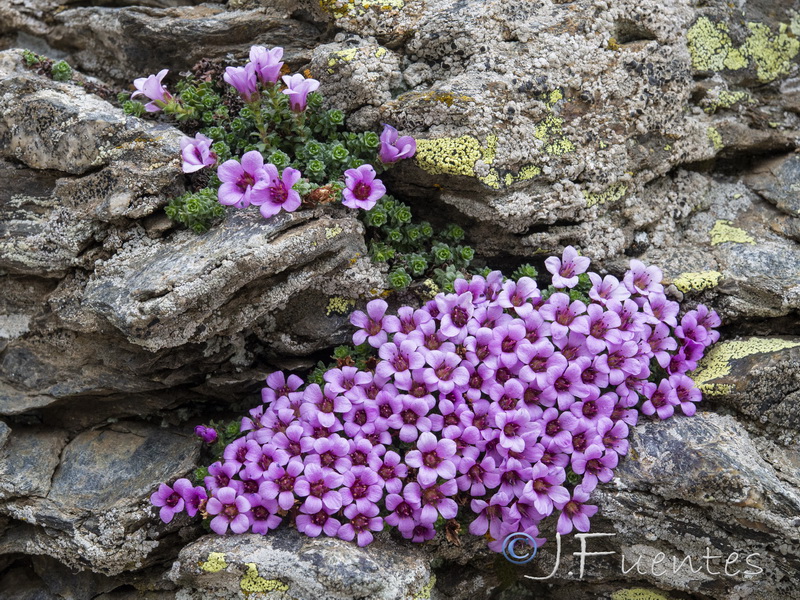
column 425, row 592
column 723, row 232
column 549, row 130
column 712, row 49
column 452, row 156
column 554, row 96
column 715, row 138
column 431, row 289
column 610, row 194
column 215, row 562
column 613, row 44
column 602, row 145
column 490, row 150
column 492, row 179
column 339, row 306
column 347, row 8
column 726, row 99
column 698, row 281
column 638, row 594
column 717, row 363
column 380, row 52
column 332, row 232
column 252, row 582
column 528, row 172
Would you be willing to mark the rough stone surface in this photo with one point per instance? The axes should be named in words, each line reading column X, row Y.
column 293, row 565
column 661, row 131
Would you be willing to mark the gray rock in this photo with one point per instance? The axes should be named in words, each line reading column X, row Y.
column 778, row 180
column 96, row 513
column 28, row 460
column 291, row 564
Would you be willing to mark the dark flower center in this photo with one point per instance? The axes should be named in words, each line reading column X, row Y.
column 360, row 418
column 409, row 417
column 360, row 523
column 459, row 316
column 358, row 458
column 418, row 389
column 326, row 459
column 173, row 500
column 510, row 477
column 386, row 410
column 503, row 375
column 222, row 480
column 476, row 472
column 294, row 448
column 386, row 472
column 241, row 452
column 569, row 352
column 531, row 396
column 479, row 422
column 511, row 429
column 552, row 428
column 320, row 518
column 230, row 511
column 609, row 441
column 443, row 372
column 579, row 442
column 326, row 406
column 598, row 329
column 432, row 342
column 432, row 495
column 659, row 399
column 538, row 364
column 517, row 299
column 358, row 489
column 475, row 381
column 589, row 409
column 589, row 375
column 564, row 316
column 250, row 486
column 372, row 391
column 567, row 270
column 318, row 488
column 507, row 403
column 594, row 466
column 431, row 459
column 286, row 483
column 572, row 508
column 683, row 393
column 400, row 363
column 562, row 384
column 508, row 345
column 614, row 360
column 278, row 193
column 540, row 486
column 264, row 462
column 482, row 352
column 362, row 190
column 246, row 181
column 404, row 511
column 407, row 326
column 260, row 513
column 373, row 327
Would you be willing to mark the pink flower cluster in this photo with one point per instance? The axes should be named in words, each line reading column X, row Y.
column 496, row 402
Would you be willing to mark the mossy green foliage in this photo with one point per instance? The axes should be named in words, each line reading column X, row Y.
column 414, row 251
column 56, row 70
column 196, row 210
column 313, row 141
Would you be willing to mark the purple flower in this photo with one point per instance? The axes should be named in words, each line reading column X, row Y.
column 196, row 153
column 515, row 295
column 374, row 325
column 399, row 361
column 207, row 434
column 477, row 476
column 280, row 483
column 393, row 148
column 266, row 63
column 244, row 80
column 193, row 496
column 151, row 88
column 454, row 312
column 490, row 515
column 613, row 435
column 230, row 509
column 434, row 500
column 362, row 190
column 169, row 499
column 661, row 400
column 314, row 524
column 275, row 192
column 643, row 280
column 362, row 486
column 445, row 371
column 686, row 393
column 565, row 270
column 298, row 88
column 319, row 485
column 402, row 513
column 606, row 289
column 432, row 458
column 262, row 514
column 239, row 180
column 574, row 512
column 390, row 470
column 363, row 520
column 544, row 488
column 596, row 463
column 566, row 316
column 220, row 476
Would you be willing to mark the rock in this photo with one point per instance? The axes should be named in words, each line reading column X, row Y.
column 28, row 460
column 300, row 567
column 96, row 513
column 778, row 180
